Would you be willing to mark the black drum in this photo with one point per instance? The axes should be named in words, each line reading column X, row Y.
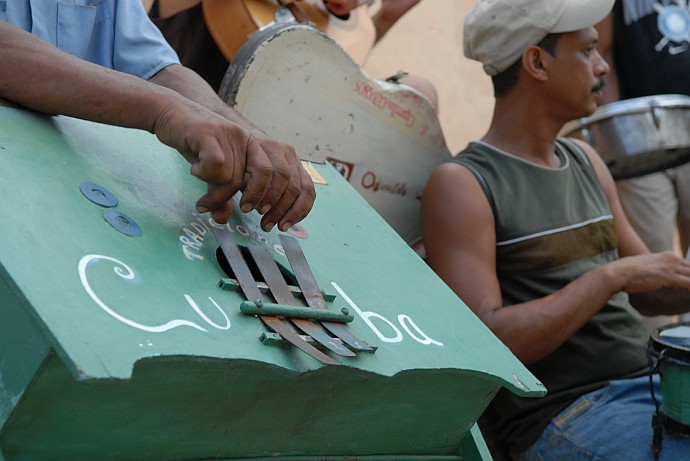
column 670, row 347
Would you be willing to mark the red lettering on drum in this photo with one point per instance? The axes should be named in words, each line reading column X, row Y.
column 382, row 102
column 343, row 167
column 297, row 230
column 371, row 182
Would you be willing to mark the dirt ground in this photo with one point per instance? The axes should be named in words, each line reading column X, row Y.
column 427, row 41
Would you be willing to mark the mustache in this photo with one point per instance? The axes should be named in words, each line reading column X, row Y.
column 599, row 86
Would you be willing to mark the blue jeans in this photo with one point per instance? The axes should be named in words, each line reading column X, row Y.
column 610, row 424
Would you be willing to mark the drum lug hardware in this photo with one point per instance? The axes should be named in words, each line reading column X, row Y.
column 397, row 77
column 658, row 421
column 587, row 135
column 656, row 116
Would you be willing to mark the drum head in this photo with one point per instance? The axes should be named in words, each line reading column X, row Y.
column 674, row 339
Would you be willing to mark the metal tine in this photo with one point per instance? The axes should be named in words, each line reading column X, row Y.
column 312, row 292
column 238, row 265
column 251, row 291
column 281, row 292
column 303, row 273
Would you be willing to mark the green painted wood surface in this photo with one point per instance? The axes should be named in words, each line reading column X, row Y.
column 474, row 447
column 177, row 409
column 23, row 349
column 153, row 360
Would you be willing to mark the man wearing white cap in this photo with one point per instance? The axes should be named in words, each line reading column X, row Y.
column 528, row 230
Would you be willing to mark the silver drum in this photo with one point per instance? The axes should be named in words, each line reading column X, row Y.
column 638, row 136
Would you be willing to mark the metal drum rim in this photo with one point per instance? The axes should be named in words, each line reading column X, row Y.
column 627, row 107
column 674, row 351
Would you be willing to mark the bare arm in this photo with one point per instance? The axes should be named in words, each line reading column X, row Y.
column 462, row 252
column 674, row 297
column 222, row 153
column 291, row 192
column 75, row 87
column 389, row 13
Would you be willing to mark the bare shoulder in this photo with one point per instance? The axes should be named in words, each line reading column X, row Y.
column 450, row 177
column 451, row 192
column 595, row 159
column 589, row 150
column 458, row 230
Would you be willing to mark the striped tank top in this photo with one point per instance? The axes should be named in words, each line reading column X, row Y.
column 552, row 226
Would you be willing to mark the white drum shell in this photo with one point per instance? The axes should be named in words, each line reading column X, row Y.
column 299, row 86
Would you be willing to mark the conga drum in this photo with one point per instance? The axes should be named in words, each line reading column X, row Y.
column 670, row 348
column 638, row 136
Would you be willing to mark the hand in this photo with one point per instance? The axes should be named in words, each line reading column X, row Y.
column 389, row 13
column 340, row 7
column 291, row 194
column 230, row 159
column 284, row 196
column 392, row 10
column 653, row 271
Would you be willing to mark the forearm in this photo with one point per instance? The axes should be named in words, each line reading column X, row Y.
column 535, row 329
column 189, row 84
column 664, row 301
column 658, row 283
column 382, row 25
column 389, row 13
column 225, row 155
column 74, row 87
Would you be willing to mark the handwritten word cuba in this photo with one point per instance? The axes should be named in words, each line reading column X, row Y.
column 125, row 272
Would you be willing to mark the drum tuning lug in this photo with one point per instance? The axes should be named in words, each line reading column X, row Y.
column 587, row 136
column 656, row 116
column 397, row 77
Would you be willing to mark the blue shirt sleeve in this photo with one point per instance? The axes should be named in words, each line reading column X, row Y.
column 139, row 46
column 113, row 33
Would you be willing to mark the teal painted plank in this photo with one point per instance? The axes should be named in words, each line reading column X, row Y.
column 22, row 350
column 181, row 408
column 157, row 354
column 110, row 300
column 474, row 447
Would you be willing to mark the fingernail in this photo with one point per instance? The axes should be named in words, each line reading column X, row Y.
column 202, row 209
column 264, row 209
column 285, row 226
column 247, row 207
column 268, row 226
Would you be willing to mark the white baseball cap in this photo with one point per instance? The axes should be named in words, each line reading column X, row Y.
column 497, row 32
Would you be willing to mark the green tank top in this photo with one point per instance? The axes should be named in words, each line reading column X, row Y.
column 552, row 226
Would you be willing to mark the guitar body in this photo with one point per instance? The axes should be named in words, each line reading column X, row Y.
column 299, row 86
column 231, row 22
